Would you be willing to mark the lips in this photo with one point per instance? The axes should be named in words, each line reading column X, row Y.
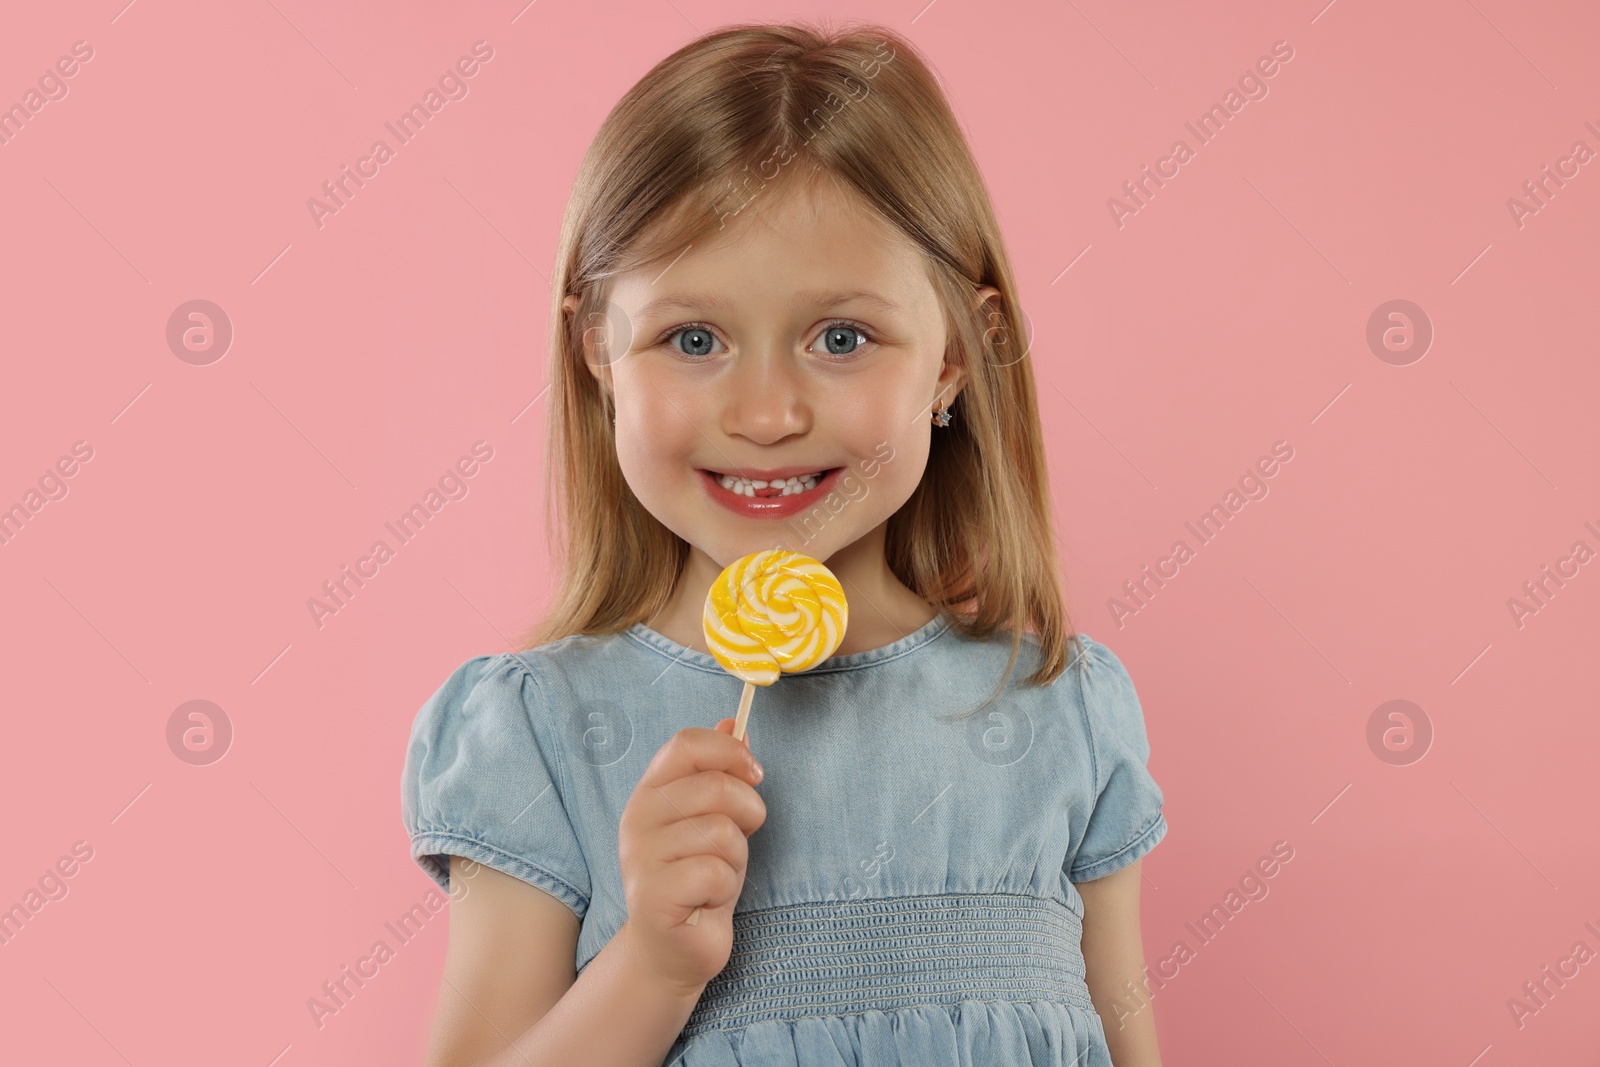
column 779, row 506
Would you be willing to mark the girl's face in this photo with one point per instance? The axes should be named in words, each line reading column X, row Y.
column 805, row 337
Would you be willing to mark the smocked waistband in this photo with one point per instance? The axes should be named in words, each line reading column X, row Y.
column 842, row 957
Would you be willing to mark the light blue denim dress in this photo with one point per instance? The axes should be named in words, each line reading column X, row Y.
column 909, row 901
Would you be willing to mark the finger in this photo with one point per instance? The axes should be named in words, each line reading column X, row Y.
column 714, row 834
column 700, row 882
column 730, row 724
column 705, row 793
column 694, row 749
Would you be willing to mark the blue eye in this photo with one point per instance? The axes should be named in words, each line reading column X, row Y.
column 842, row 337
column 841, row 332
column 700, row 339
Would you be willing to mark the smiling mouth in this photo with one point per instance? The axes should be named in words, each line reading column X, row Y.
column 791, row 486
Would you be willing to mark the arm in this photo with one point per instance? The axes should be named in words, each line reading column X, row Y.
column 511, row 998
column 1113, row 955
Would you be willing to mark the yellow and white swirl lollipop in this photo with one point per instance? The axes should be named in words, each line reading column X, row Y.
column 769, row 613
column 773, row 612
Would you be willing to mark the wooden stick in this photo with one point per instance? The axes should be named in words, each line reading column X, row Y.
column 738, row 735
column 744, row 710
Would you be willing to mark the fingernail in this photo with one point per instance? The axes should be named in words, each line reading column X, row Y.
column 760, row 774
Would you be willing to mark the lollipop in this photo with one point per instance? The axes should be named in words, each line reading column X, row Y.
column 769, row 613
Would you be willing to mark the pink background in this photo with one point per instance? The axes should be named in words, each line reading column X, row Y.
column 1227, row 314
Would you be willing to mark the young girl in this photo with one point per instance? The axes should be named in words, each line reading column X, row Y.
column 783, row 317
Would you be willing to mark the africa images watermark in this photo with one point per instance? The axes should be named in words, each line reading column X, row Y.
column 1252, row 486
column 51, row 886
column 52, row 485
column 339, row 591
column 1537, row 993
column 452, row 85
column 1538, row 592
column 1251, row 888
column 341, row 989
column 1252, row 86
column 848, row 490
column 52, row 86
column 1541, row 190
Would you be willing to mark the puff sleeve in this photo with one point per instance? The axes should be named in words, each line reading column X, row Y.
column 483, row 780
column 1126, row 820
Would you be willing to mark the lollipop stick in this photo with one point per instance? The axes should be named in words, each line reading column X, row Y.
column 738, row 735
column 744, row 710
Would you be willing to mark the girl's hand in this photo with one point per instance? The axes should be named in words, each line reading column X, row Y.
column 682, row 844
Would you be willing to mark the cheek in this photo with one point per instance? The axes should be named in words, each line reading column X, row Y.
column 897, row 478
column 656, row 428
column 887, row 401
column 890, row 457
column 892, row 408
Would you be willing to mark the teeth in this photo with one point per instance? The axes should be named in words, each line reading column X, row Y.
column 747, row 487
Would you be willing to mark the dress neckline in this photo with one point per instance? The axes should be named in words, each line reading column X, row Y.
column 689, row 657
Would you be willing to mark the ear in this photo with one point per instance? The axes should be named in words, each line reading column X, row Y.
column 586, row 346
column 952, row 379
column 984, row 294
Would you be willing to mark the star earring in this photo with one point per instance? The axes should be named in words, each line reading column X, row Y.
column 942, row 416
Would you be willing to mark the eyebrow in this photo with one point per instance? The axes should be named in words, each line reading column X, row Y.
column 811, row 298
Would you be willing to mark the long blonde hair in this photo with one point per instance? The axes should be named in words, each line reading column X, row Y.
column 680, row 152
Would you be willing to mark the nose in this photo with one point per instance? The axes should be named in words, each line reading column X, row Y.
column 765, row 398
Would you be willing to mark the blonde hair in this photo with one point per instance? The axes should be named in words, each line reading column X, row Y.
column 677, row 156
